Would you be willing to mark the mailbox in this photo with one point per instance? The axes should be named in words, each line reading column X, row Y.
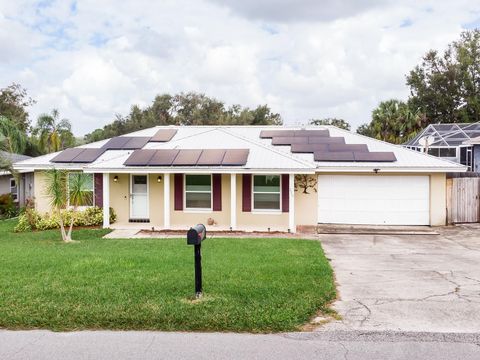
column 196, row 234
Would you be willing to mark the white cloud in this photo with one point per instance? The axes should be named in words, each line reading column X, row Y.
column 306, row 59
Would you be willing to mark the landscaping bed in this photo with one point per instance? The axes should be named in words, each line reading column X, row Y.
column 254, row 285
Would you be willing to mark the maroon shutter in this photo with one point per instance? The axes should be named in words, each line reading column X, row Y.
column 217, row 192
column 98, row 187
column 285, row 189
column 178, row 189
column 247, row 192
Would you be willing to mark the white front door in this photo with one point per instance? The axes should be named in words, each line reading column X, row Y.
column 374, row 200
column 139, row 197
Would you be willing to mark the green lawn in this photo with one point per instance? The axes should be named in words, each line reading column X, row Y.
column 256, row 285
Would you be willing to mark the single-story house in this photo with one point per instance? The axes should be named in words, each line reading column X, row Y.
column 263, row 178
column 449, row 141
column 21, row 188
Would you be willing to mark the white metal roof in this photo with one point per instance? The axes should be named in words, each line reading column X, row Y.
column 263, row 156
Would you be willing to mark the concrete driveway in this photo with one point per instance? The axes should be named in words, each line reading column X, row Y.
column 407, row 282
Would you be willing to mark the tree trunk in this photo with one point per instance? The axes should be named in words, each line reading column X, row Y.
column 69, row 235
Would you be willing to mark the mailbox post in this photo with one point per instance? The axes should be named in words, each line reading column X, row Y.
column 195, row 236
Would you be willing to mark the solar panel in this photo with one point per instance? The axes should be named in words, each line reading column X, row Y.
column 211, row 157
column 333, row 156
column 235, row 157
column 88, row 155
column 116, row 143
column 308, row 148
column 139, row 158
column 187, row 157
column 348, row 147
column 325, row 140
column 136, row 142
column 302, row 133
column 266, row 134
column 289, row 140
column 67, row 155
column 163, row 157
column 375, row 156
column 163, row 135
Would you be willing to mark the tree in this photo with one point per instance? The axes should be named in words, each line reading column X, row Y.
column 340, row 123
column 55, row 186
column 79, row 194
column 394, row 121
column 185, row 109
column 13, row 103
column 53, row 134
column 446, row 87
column 12, row 138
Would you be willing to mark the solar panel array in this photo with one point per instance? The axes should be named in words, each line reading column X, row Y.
column 188, row 157
column 324, row 147
column 163, row 135
column 78, row 155
column 126, row 143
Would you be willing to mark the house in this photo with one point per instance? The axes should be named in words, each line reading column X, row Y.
column 449, row 141
column 475, row 143
column 261, row 178
column 21, row 188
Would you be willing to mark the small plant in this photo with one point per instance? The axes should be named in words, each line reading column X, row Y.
column 8, row 208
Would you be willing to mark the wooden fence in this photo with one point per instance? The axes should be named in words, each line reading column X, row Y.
column 463, row 200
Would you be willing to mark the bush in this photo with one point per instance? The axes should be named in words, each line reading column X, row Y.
column 8, row 208
column 33, row 220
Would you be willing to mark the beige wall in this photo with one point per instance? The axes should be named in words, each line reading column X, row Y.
column 42, row 201
column 120, row 197
column 156, row 200
column 438, row 199
column 306, row 208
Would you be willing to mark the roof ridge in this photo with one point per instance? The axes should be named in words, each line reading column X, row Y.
column 272, row 149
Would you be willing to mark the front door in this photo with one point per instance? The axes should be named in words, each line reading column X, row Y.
column 139, row 197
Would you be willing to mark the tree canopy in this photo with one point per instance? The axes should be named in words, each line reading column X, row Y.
column 14, row 102
column 340, row 123
column 52, row 134
column 185, row 109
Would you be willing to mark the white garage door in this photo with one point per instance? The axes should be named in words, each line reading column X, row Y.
column 373, row 200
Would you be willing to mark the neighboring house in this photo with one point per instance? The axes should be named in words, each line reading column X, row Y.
column 243, row 178
column 21, row 189
column 475, row 143
column 450, row 141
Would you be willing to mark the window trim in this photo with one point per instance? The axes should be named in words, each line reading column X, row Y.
column 263, row 211
column 17, row 193
column 193, row 210
column 83, row 207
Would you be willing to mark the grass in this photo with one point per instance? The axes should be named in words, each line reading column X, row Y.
column 255, row 285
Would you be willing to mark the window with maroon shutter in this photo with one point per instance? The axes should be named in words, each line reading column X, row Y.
column 266, row 192
column 247, row 192
column 217, row 192
column 178, row 191
column 285, row 190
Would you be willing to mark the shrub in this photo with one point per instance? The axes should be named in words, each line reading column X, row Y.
column 33, row 220
column 8, row 208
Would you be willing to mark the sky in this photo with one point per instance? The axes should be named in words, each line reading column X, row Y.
column 304, row 58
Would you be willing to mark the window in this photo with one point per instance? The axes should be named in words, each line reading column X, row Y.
column 434, row 151
column 87, row 189
column 13, row 189
column 266, row 192
column 198, row 192
column 448, row 152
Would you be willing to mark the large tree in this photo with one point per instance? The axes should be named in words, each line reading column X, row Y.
column 446, row 87
column 394, row 121
column 340, row 123
column 12, row 138
column 185, row 109
column 52, row 133
column 14, row 102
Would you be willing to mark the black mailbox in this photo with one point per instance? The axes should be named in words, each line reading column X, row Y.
column 196, row 234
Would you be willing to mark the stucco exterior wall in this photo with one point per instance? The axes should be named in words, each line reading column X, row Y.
column 42, row 200
column 120, row 197
column 306, row 206
column 156, row 200
column 438, row 199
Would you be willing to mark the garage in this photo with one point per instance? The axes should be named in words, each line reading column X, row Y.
column 373, row 199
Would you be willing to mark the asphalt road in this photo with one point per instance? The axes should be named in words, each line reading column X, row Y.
column 330, row 345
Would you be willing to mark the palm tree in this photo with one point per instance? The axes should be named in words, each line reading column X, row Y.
column 55, row 187
column 79, row 194
column 54, row 134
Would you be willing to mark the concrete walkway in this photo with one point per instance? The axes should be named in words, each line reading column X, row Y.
column 45, row 345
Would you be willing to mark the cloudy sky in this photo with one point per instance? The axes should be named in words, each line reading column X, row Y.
column 305, row 58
